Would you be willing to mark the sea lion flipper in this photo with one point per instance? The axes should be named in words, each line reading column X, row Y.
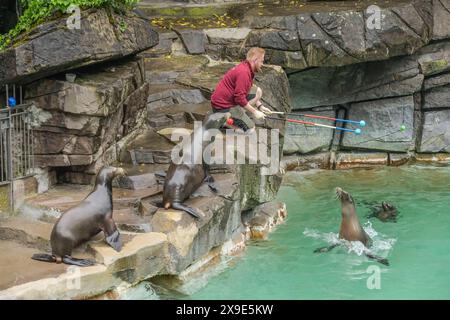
column 325, row 249
column 43, row 257
column 213, row 188
column 193, row 212
column 161, row 174
column 78, row 262
column 210, row 181
column 371, row 215
column 378, row 259
column 114, row 240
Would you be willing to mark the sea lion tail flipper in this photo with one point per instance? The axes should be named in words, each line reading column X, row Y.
column 378, row 259
column 193, row 212
column 325, row 249
column 43, row 257
column 213, row 187
column 161, row 174
column 210, row 181
column 78, row 262
column 114, row 240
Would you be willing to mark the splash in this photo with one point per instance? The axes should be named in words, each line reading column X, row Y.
column 330, row 237
column 380, row 243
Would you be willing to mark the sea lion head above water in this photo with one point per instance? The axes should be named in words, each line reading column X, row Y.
column 388, row 207
column 351, row 228
column 385, row 212
column 347, row 202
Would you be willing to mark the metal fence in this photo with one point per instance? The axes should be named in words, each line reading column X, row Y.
column 16, row 145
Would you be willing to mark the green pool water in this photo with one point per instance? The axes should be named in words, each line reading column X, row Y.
column 285, row 267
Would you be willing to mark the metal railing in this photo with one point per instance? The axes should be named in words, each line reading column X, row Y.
column 16, row 145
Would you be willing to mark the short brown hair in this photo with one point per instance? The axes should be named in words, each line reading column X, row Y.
column 254, row 52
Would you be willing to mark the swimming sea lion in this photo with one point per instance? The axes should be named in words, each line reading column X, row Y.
column 385, row 212
column 351, row 229
column 80, row 223
column 183, row 179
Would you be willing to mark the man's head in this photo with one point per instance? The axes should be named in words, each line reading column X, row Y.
column 256, row 58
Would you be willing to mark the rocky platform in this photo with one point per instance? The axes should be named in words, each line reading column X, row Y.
column 156, row 241
column 124, row 113
column 299, row 35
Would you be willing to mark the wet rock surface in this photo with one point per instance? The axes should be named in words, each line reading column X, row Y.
column 384, row 118
column 263, row 218
column 386, row 95
column 306, row 139
column 435, row 135
column 51, row 47
column 76, row 123
column 299, row 35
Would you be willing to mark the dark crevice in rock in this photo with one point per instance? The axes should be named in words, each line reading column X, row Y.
column 406, row 23
column 418, row 119
column 444, row 6
column 421, row 14
column 292, row 72
column 387, row 97
column 302, row 50
column 388, row 159
column 342, row 112
column 46, row 93
column 334, row 41
column 378, row 85
column 437, row 41
column 366, row 41
column 435, row 109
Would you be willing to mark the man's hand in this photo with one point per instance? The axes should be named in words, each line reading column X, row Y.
column 259, row 115
column 265, row 110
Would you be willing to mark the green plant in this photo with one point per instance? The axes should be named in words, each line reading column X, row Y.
column 36, row 11
column 123, row 26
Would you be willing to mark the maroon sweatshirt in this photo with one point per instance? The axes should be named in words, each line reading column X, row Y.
column 234, row 87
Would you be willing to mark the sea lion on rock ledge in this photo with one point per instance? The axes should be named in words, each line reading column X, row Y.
column 80, row 223
column 351, row 229
column 184, row 178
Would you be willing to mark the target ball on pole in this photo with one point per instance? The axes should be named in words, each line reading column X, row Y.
column 12, row 102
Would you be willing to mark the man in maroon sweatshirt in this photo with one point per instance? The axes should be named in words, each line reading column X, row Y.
column 232, row 92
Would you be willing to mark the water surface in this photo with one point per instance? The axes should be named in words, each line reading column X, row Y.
column 285, row 267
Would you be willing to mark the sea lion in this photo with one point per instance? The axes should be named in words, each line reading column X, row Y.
column 80, row 223
column 351, row 229
column 384, row 212
column 183, row 179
